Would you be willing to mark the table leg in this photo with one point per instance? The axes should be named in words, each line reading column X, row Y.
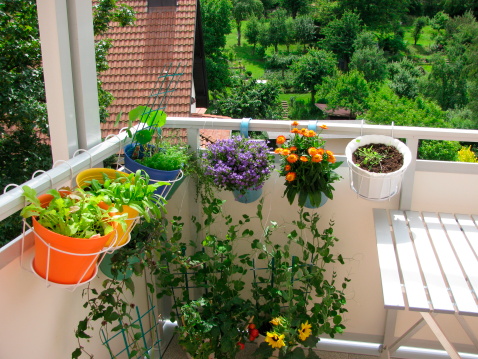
column 450, row 349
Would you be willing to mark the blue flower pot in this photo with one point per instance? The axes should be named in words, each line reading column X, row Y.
column 154, row 174
column 323, row 200
column 248, row 197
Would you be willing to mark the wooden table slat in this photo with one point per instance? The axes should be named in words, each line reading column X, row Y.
column 450, row 266
column 414, row 286
column 437, row 288
column 391, row 285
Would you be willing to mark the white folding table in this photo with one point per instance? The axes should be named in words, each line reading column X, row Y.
column 428, row 264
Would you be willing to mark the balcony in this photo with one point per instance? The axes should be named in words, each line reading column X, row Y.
column 45, row 316
column 38, row 319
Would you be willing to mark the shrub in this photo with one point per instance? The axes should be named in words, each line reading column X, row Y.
column 438, row 150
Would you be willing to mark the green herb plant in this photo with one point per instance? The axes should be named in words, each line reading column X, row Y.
column 370, row 157
column 73, row 214
column 134, row 190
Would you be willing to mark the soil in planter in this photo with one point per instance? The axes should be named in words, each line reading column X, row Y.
column 391, row 162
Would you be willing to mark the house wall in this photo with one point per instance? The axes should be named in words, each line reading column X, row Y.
column 39, row 322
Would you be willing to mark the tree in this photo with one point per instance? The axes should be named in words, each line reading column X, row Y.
column 340, row 35
column 404, row 77
column 368, row 58
column 253, row 31
column 105, row 12
column 418, row 26
column 278, row 28
column 378, row 14
column 304, row 29
column 447, row 82
column 349, row 90
column 216, row 15
column 312, row 68
column 250, row 99
column 295, row 7
column 242, row 10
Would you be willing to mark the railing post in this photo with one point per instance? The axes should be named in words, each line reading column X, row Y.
column 406, row 193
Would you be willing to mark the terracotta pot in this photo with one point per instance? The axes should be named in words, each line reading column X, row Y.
column 65, row 260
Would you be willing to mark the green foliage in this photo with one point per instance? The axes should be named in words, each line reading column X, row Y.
column 370, row 157
column 295, row 7
column 250, row 99
column 371, row 62
column 76, row 214
column 216, row 15
column 404, row 77
column 133, row 190
column 304, row 110
column 340, row 35
column 418, row 26
column 312, row 68
column 349, row 90
column 167, row 158
column 252, row 31
column 244, row 9
column 447, row 83
column 380, row 14
column 278, row 28
column 438, row 150
column 286, row 291
column 385, row 107
column 304, row 29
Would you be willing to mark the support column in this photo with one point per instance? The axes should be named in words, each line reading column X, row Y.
column 55, row 46
column 82, row 45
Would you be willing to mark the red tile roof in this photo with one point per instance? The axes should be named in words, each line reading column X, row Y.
column 141, row 52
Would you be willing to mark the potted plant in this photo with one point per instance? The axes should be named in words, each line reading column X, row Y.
column 71, row 229
column 377, row 164
column 307, row 166
column 132, row 193
column 149, row 152
column 238, row 165
column 214, row 315
column 296, row 300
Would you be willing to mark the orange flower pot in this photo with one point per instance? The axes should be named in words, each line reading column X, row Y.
column 65, row 260
column 124, row 235
column 97, row 174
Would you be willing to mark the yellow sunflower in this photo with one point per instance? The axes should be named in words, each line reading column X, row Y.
column 275, row 340
column 305, row 331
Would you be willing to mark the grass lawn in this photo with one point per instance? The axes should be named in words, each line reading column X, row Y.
column 421, row 50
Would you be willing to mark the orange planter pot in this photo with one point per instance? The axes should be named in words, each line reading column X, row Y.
column 97, row 174
column 65, row 260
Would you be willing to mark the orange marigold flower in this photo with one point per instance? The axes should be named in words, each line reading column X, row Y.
column 329, row 153
column 303, row 131
column 320, row 151
column 295, row 130
column 317, row 158
column 287, row 168
column 304, row 159
column 278, row 150
column 312, row 151
column 292, row 158
column 290, row 177
column 295, row 123
column 331, row 159
column 311, row 133
column 324, row 127
column 285, row 152
column 293, row 148
column 280, row 140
